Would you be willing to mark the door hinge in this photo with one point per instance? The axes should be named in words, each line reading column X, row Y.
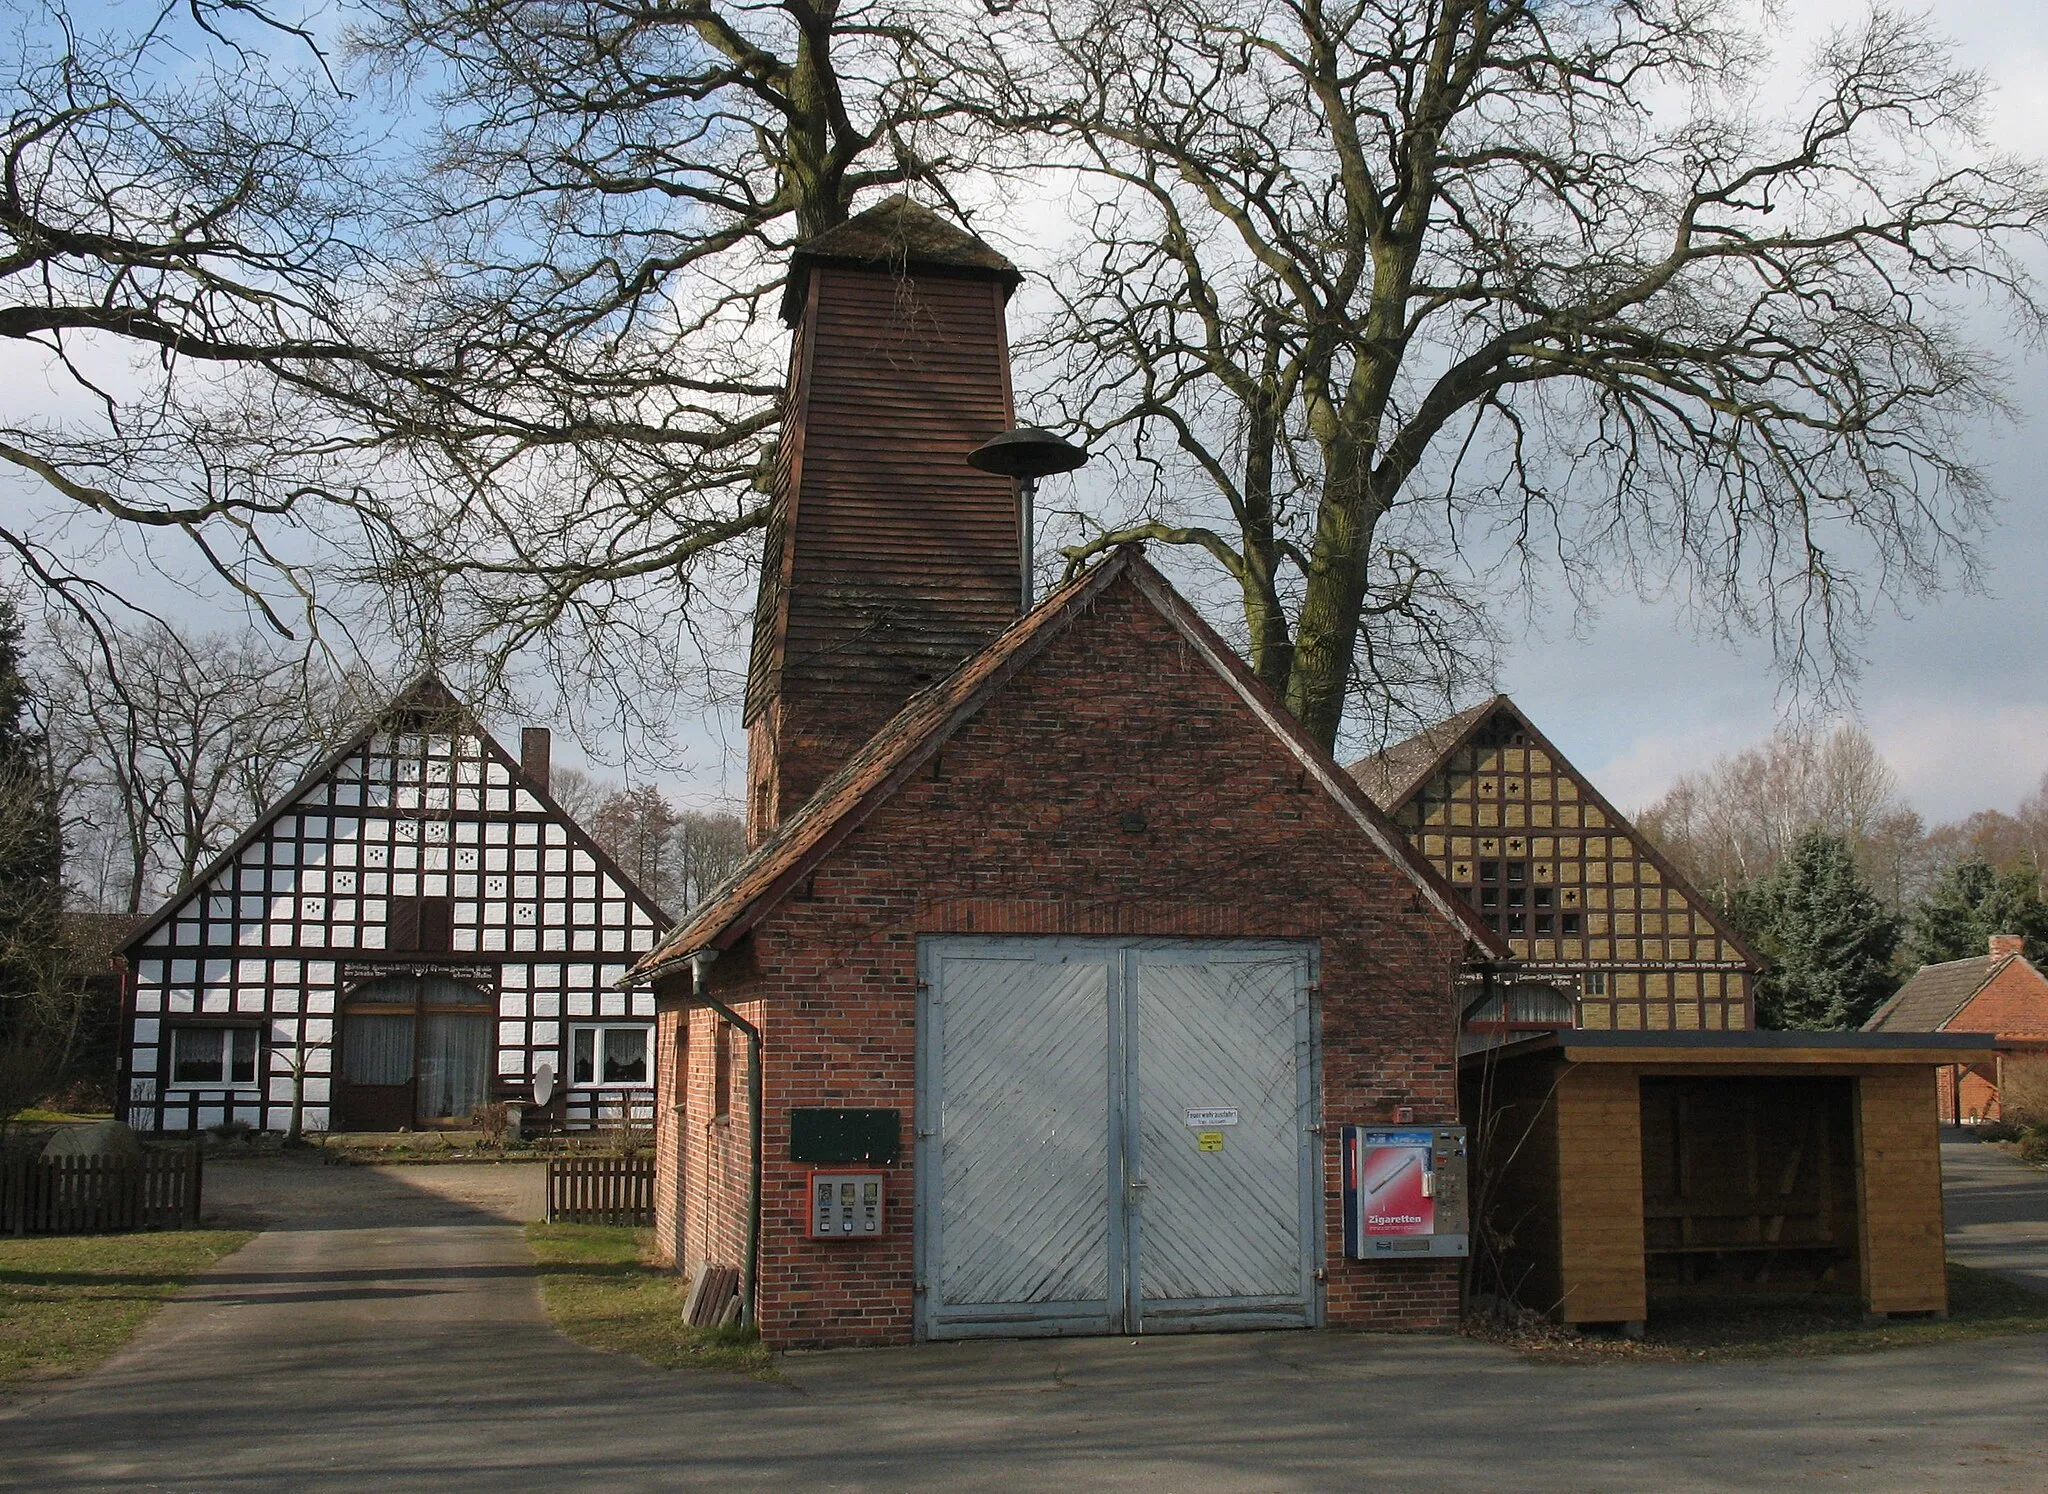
column 1321, row 1274
column 918, row 1286
column 926, row 1135
column 1314, row 1130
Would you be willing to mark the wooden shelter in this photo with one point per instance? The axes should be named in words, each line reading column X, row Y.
column 416, row 929
column 1615, row 1169
column 1583, row 899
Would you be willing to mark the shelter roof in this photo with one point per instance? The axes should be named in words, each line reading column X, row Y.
column 893, row 235
column 1930, row 1000
column 1747, row 1048
column 887, row 759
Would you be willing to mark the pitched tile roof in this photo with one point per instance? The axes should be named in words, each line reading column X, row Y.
column 872, row 774
column 1393, row 773
column 1936, row 993
column 893, row 235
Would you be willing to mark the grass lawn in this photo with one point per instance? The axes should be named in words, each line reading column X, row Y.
column 68, row 1301
column 600, row 1290
column 1980, row 1305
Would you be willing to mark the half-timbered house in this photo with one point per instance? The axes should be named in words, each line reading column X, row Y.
column 1584, row 900
column 416, row 930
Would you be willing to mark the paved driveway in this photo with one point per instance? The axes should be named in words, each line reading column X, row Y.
column 1997, row 1210
column 388, row 1337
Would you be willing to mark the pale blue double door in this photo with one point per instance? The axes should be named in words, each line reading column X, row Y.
column 1116, row 1136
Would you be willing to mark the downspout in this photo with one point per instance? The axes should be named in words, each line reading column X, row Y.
column 700, row 965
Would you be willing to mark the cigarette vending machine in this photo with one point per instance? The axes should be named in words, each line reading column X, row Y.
column 848, row 1205
column 1404, row 1192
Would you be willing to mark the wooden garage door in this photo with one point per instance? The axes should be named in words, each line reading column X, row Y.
column 1114, row 1136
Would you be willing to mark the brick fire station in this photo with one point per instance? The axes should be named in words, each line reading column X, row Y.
column 1067, row 986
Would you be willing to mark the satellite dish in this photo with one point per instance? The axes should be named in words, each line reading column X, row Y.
column 543, row 1082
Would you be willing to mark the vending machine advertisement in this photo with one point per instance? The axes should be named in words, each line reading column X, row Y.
column 1404, row 1191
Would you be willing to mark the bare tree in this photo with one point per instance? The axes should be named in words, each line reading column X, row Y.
column 2003, row 841
column 167, row 747
column 579, row 793
column 1550, row 290
column 708, row 845
column 674, row 855
column 1732, row 824
column 479, row 328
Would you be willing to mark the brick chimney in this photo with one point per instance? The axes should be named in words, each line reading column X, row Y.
column 2007, row 944
column 536, row 747
column 888, row 559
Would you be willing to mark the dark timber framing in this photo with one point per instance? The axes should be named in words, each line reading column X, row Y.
column 421, row 849
column 1581, row 897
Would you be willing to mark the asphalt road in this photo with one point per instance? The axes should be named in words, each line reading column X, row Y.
column 1997, row 1211
column 386, row 1336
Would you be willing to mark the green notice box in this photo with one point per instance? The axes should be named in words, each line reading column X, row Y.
column 844, row 1135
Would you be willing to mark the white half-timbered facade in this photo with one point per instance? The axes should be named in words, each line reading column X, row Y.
column 418, row 928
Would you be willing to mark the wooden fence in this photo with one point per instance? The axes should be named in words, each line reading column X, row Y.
column 601, row 1190
column 95, row 1195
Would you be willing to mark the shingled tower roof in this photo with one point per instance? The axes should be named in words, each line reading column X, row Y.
column 894, row 235
column 888, row 558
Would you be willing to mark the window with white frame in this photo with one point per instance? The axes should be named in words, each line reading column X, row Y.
column 609, row 1053
column 214, row 1055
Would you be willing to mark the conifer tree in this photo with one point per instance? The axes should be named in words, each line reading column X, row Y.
column 31, row 884
column 1973, row 901
column 1828, row 939
column 31, row 841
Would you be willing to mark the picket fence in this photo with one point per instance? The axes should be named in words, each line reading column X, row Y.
column 97, row 1195
column 601, row 1190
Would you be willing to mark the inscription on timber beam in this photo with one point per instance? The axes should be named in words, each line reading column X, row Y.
column 360, row 970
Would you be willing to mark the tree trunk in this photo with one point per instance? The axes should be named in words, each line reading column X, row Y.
column 1326, row 634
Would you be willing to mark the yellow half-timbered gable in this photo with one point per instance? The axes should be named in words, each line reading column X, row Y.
column 1562, row 875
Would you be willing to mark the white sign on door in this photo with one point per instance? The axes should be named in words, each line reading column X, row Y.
column 1208, row 1120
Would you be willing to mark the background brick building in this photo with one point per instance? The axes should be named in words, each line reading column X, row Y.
column 1998, row 992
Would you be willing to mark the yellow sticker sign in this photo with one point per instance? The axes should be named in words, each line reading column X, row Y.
column 1208, row 1141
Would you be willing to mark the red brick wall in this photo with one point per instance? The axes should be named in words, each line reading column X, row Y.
column 1980, row 1093
column 2014, row 1004
column 668, row 1135
column 718, row 1169
column 1018, row 826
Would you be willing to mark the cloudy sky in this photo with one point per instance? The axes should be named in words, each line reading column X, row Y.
column 1956, row 695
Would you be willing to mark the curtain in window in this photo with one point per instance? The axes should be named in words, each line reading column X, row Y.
column 376, row 1050
column 242, row 1055
column 455, row 1066
column 438, row 990
column 196, row 1054
column 583, row 1056
column 625, row 1055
